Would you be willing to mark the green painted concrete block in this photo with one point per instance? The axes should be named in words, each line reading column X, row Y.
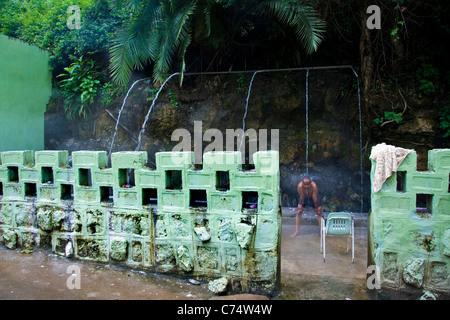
column 439, row 160
column 20, row 158
column 409, row 223
column 131, row 160
column 176, row 160
column 148, row 178
column 409, row 163
column 52, row 158
column 90, row 159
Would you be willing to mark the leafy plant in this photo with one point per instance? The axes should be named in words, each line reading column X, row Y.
column 242, row 83
column 159, row 31
column 173, row 100
column 43, row 23
column 110, row 92
column 428, row 77
column 389, row 116
column 444, row 117
column 80, row 87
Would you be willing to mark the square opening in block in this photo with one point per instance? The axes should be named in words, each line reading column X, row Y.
column 424, row 203
column 126, row 178
column 13, row 174
column 30, row 189
column 401, row 181
column 174, row 180
column 47, row 175
column 247, row 167
column 106, row 194
column 66, row 192
column 448, row 183
column 223, row 180
column 1, row 188
column 197, row 198
column 149, row 196
column 197, row 166
column 84, row 177
column 249, row 200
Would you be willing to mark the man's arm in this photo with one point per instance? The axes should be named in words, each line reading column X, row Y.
column 300, row 193
column 315, row 195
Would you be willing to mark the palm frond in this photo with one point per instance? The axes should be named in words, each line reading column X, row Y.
column 176, row 35
column 131, row 48
column 303, row 19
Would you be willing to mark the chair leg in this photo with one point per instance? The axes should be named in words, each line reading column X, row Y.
column 353, row 242
column 321, row 236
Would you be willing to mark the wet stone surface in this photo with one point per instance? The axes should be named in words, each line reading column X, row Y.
column 44, row 275
column 41, row 274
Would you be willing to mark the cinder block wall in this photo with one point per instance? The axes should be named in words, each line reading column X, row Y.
column 205, row 223
column 410, row 226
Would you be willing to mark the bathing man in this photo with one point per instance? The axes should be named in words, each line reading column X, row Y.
column 309, row 196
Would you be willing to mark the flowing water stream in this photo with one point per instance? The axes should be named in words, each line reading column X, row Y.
column 120, row 113
column 246, row 108
column 150, row 110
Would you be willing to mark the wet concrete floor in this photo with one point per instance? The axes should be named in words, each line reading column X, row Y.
column 44, row 275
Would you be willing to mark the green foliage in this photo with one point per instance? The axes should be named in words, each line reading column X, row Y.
column 79, row 87
column 389, row 116
column 173, row 100
column 110, row 92
column 242, row 82
column 428, row 77
column 44, row 23
column 444, row 117
column 159, row 31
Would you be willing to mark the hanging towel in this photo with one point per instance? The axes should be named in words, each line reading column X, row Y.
column 388, row 159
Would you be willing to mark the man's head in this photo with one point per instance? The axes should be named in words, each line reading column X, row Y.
column 306, row 181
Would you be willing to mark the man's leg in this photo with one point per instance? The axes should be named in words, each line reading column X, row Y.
column 298, row 218
column 319, row 214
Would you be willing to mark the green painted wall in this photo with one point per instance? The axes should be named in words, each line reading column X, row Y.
column 410, row 226
column 25, row 88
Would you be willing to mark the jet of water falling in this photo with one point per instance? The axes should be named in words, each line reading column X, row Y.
column 150, row 110
column 360, row 141
column 120, row 113
column 307, row 120
column 246, row 107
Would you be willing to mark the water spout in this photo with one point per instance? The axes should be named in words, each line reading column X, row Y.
column 120, row 113
column 360, row 141
column 307, row 120
column 246, row 107
column 150, row 110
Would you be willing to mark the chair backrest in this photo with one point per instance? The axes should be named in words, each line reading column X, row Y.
column 338, row 223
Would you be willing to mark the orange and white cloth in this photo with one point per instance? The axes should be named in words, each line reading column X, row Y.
column 388, row 159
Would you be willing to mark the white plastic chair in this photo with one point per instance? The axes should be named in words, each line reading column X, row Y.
column 337, row 224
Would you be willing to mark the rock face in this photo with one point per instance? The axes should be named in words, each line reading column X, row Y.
column 218, row 285
column 202, row 234
column 244, row 232
column 184, row 257
column 119, row 248
column 413, row 272
column 277, row 101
